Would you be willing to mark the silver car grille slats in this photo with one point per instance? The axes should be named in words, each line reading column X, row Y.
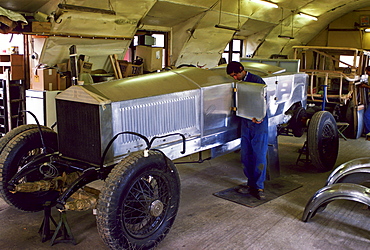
column 165, row 117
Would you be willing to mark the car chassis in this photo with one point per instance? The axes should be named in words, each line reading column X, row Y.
column 103, row 132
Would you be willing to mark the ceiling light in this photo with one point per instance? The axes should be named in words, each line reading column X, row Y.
column 226, row 27
column 286, row 37
column 267, row 3
column 281, row 29
column 308, row 16
column 367, row 30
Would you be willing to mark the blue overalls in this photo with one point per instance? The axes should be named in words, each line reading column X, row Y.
column 254, row 145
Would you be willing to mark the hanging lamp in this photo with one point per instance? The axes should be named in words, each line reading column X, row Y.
column 220, row 26
column 281, row 29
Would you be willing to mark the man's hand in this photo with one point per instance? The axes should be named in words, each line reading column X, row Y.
column 256, row 121
column 364, row 85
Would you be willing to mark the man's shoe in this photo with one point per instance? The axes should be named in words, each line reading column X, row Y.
column 260, row 194
column 244, row 189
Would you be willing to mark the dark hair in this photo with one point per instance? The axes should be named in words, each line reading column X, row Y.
column 234, row 67
column 367, row 68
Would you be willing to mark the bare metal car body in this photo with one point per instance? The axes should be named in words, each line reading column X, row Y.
column 195, row 102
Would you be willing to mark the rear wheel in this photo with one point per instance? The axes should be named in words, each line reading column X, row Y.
column 298, row 122
column 17, row 152
column 139, row 202
column 323, row 140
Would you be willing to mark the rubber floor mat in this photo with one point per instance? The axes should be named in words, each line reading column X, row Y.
column 273, row 189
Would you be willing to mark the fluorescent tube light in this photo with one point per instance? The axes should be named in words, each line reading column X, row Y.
column 226, row 27
column 267, row 3
column 307, row 16
column 367, row 30
column 285, row 37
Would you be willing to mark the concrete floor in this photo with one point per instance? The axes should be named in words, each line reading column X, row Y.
column 205, row 221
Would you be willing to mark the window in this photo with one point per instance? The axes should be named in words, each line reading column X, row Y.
column 11, row 40
column 349, row 60
column 233, row 51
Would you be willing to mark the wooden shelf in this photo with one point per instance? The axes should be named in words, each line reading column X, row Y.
column 12, row 100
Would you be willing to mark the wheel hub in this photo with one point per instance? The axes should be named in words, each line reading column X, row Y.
column 156, row 208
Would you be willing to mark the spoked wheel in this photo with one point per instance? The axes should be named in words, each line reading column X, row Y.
column 323, row 141
column 139, row 202
column 16, row 153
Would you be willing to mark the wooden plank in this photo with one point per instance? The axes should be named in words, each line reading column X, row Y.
column 117, row 66
column 333, row 58
column 114, row 66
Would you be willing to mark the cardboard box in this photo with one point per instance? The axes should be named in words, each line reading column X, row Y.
column 62, row 67
column 17, row 72
column 62, row 82
column 85, row 67
column 152, row 57
column 45, row 79
column 128, row 69
column 41, row 27
column 15, row 65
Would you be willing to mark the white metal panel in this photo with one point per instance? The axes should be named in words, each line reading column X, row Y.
column 250, row 100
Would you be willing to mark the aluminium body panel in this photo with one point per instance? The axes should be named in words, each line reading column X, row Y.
column 156, row 116
column 336, row 191
column 251, row 100
column 274, row 98
column 283, row 91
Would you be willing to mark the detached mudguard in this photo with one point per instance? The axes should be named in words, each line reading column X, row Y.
column 354, row 171
column 338, row 191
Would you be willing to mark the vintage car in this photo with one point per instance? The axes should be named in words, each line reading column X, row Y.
column 127, row 132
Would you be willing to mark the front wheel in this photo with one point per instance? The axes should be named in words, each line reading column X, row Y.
column 16, row 153
column 14, row 132
column 323, row 140
column 139, row 201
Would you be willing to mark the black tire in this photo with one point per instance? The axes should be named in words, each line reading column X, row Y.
column 297, row 123
column 13, row 156
column 355, row 119
column 12, row 133
column 139, row 202
column 323, row 140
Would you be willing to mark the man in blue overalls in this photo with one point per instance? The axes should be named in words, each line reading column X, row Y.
column 367, row 111
column 254, row 139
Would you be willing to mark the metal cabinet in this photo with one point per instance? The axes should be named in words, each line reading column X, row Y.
column 42, row 105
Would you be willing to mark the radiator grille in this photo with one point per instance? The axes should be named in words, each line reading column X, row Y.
column 79, row 130
column 159, row 118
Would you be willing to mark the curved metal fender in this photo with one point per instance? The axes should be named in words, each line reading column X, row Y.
column 356, row 166
column 338, row 191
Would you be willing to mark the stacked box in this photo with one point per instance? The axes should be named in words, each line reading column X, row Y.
column 128, row 69
column 45, row 79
